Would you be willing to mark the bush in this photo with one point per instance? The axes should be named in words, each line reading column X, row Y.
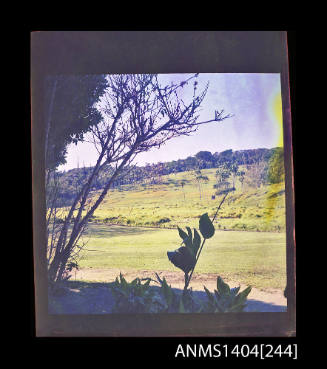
column 135, row 297
column 225, row 299
column 173, row 302
column 163, row 220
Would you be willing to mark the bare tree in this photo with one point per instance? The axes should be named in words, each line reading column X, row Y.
column 241, row 175
column 256, row 175
column 199, row 178
column 138, row 114
column 222, row 178
column 183, row 182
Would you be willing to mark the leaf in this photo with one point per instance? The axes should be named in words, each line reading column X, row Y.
column 187, row 240
column 236, row 308
column 181, row 308
column 206, row 227
column 167, row 292
column 210, row 295
column 222, row 287
column 146, row 284
column 196, row 241
column 159, row 279
column 189, row 233
column 218, row 302
column 182, row 258
column 182, row 234
column 217, row 295
column 123, row 282
column 235, row 290
column 242, row 296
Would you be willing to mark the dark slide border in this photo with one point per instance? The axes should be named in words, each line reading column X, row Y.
column 87, row 52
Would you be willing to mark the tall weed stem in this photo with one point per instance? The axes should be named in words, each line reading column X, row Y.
column 188, row 278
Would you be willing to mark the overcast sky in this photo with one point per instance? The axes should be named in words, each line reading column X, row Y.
column 253, row 99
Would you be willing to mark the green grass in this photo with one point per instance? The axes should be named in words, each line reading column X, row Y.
column 252, row 258
column 256, row 257
column 163, row 205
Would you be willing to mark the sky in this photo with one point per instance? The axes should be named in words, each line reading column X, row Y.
column 253, row 100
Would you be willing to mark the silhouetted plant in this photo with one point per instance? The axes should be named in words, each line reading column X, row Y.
column 136, row 297
column 187, row 256
column 225, row 299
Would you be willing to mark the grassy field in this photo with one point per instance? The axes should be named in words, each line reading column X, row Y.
column 253, row 258
column 253, row 253
column 168, row 204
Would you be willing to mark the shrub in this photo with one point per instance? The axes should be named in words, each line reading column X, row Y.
column 164, row 220
column 225, row 299
column 172, row 301
column 135, row 297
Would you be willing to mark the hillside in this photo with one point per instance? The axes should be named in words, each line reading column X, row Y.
column 72, row 180
column 169, row 194
column 135, row 226
column 169, row 204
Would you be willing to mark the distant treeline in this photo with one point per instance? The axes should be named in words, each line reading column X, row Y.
column 72, row 180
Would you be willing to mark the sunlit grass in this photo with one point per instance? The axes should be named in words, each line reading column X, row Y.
column 256, row 257
column 169, row 205
column 253, row 258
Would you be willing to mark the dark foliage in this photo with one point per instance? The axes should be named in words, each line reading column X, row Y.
column 70, row 112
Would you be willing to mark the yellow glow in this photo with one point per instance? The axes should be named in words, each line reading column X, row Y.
column 278, row 115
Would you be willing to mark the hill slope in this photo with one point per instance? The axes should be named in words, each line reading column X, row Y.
column 169, row 204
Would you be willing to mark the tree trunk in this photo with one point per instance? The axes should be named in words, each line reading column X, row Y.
column 63, row 250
